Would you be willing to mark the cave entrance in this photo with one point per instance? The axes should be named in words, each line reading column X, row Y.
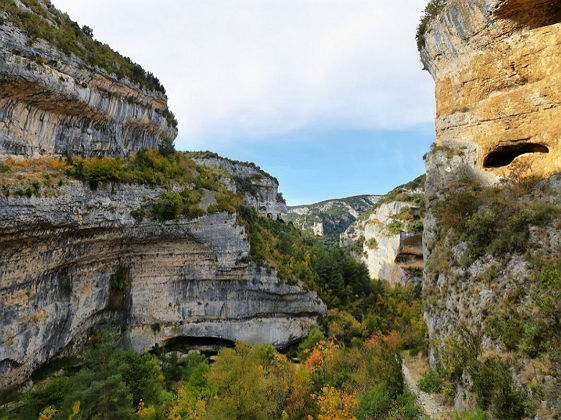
column 504, row 155
column 534, row 14
column 206, row 345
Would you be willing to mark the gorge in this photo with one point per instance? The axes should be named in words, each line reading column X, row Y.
column 123, row 261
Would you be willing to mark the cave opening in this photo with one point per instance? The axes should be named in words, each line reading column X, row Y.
column 504, row 155
column 205, row 345
column 533, row 14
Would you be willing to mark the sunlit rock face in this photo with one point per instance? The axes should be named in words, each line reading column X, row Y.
column 51, row 103
column 389, row 255
column 187, row 278
column 497, row 67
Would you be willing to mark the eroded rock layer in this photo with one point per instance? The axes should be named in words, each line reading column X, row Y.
column 53, row 103
column 497, row 69
column 63, row 257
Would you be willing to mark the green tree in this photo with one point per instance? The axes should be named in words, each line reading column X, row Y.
column 99, row 386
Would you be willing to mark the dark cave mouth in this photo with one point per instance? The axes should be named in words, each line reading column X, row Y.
column 504, row 155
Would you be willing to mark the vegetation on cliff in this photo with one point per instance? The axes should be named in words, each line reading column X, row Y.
column 431, row 11
column 499, row 242
column 335, row 216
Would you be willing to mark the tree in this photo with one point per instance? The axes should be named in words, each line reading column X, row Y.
column 99, row 386
column 242, row 382
column 87, row 31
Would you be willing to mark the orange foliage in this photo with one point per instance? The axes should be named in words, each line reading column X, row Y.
column 335, row 404
column 320, row 353
column 47, row 414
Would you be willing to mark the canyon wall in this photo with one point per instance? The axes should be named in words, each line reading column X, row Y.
column 61, row 254
column 52, row 102
column 259, row 189
column 497, row 69
column 388, row 237
column 331, row 217
column 497, row 72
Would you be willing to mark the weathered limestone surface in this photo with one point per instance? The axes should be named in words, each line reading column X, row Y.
column 497, row 67
column 59, row 253
column 392, row 252
column 54, row 104
column 265, row 200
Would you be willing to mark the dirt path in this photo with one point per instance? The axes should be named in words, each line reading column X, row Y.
column 432, row 407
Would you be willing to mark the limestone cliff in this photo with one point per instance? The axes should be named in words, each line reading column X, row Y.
column 497, row 72
column 85, row 100
column 259, row 189
column 387, row 238
column 61, row 254
column 151, row 241
column 491, row 247
column 331, row 217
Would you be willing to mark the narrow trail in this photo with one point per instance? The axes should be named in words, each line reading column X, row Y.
column 432, row 407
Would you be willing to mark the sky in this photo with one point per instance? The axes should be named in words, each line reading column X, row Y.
column 328, row 96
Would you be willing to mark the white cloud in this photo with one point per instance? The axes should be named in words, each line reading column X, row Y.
column 258, row 67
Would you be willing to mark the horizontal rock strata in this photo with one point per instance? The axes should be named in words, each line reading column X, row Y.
column 59, row 255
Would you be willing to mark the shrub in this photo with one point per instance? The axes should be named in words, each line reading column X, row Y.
column 430, row 381
column 375, row 403
column 121, row 279
column 475, row 414
column 372, row 243
column 313, row 338
column 395, row 227
column 495, row 389
column 494, row 220
column 416, row 226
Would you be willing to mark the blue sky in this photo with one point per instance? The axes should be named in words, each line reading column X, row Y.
column 314, row 166
column 326, row 95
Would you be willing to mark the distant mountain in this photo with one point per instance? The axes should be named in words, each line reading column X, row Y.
column 331, row 217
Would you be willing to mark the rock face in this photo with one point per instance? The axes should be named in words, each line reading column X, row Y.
column 386, row 241
column 497, row 70
column 74, row 258
column 61, row 256
column 260, row 190
column 498, row 77
column 53, row 103
column 332, row 217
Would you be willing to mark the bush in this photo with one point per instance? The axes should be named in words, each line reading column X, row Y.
column 494, row 220
column 375, row 403
column 121, row 279
column 476, row 414
column 313, row 338
column 372, row 243
column 495, row 389
column 430, row 382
